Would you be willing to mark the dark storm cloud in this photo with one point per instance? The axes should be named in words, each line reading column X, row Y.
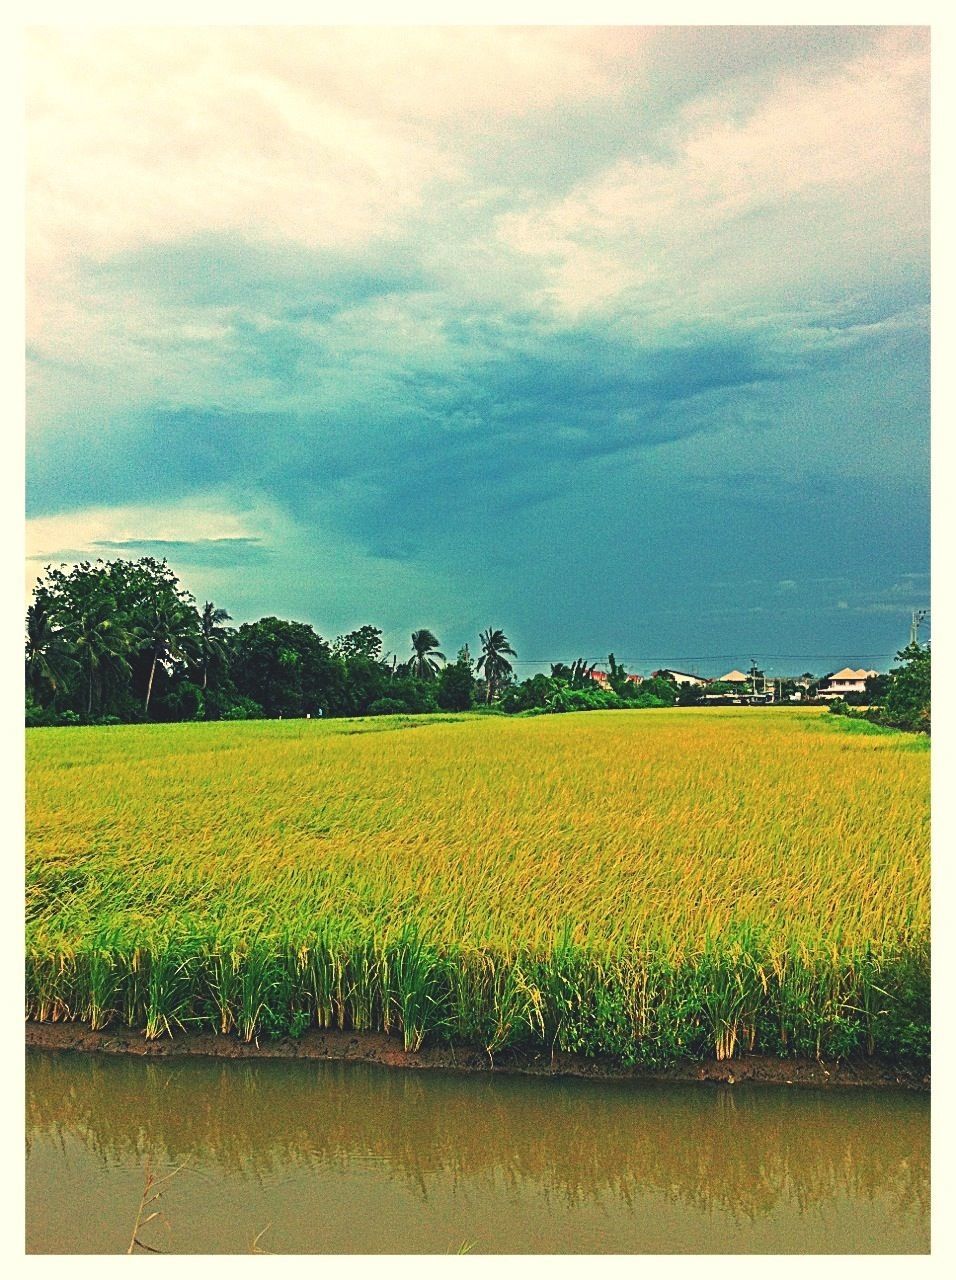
column 607, row 359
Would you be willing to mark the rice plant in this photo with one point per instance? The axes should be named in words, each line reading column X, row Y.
column 644, row 885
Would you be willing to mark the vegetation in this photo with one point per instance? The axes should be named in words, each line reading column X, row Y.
column 651, row 887
column 899, row 700
column 493, row 662
column 574, row 689
column 122, row 641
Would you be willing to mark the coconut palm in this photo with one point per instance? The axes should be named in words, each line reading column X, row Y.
column 102, row 641
column 48, row 658
column 424, row 652
column 212, row 637
column 170, row 631
column 493, row 662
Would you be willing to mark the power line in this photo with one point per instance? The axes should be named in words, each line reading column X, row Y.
column 711, row 657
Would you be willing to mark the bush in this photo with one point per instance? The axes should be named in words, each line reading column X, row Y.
column 182, row 701
column 241, row 708
column 596, row 699
column 39, row 717
column 387, row 707
column 407, row 696
column 541, row 694
column 663, row 692
column 46, row 718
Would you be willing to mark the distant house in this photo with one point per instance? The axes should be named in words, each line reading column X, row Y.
column 680, row 677
column 843, row 682
column 734, row 677
column 601, row 677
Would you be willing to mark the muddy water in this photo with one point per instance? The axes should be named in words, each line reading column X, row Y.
column 347, row 1158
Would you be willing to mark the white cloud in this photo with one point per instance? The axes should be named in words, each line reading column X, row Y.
column 822, row 176
column 327, row 138
column 212, row 515
column 323, row 136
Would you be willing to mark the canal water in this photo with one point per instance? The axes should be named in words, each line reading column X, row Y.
column 315, row 1157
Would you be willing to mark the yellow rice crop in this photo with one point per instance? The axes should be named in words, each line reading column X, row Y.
column 603, row 880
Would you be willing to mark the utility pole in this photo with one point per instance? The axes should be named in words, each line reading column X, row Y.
column 918, row 618
column 753, row 676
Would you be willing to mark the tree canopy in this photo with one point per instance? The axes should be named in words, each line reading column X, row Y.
column 112, row 641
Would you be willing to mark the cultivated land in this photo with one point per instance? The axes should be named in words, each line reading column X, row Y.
column 650, row 885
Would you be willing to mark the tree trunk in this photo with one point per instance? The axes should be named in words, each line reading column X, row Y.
column 89, row 700
column 149, row 687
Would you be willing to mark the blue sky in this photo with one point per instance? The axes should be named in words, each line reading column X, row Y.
column 617, row 338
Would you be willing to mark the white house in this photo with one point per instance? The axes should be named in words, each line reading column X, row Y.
column 680, row 677
column 843, row 682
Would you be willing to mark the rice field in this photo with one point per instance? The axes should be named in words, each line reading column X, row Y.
column 646, row 885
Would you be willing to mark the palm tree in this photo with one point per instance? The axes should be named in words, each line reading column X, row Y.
column 494, row 664
column 102, row 641
column 212, row 637
column 170, row 631
column 47, row 654
column 424, row 653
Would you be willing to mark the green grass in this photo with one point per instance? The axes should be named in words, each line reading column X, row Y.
column 650, row 885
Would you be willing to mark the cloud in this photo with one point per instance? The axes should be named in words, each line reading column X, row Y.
column 812, row 185
column 233, row 552
column 476, row 420
column 554, row 322
column 322, row 136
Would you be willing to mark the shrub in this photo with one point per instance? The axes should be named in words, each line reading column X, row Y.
column 387, row 707
column 241, row 708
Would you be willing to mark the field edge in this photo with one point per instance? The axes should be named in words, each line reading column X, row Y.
column 387, row 1051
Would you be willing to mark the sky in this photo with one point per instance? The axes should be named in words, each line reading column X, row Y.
column 614, row 338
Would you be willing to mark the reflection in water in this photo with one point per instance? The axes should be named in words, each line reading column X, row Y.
column 594, row 1167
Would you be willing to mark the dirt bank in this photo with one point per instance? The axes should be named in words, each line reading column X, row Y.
column 346, row 1046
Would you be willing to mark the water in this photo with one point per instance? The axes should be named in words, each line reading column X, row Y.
column 347, row 1158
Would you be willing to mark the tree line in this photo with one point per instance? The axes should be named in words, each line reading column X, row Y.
column 122, row 641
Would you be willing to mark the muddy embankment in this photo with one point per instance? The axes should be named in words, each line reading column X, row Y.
column 374, row 1047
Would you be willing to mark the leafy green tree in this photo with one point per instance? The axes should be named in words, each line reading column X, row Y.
column 185, row 701
column 422, row 663
column 121, row 621
column 662, row 691
column 456, row 684
column 574, row 676
column 876, row 689
column 688, row 695
column 406, row 695
column 616, row 676
column 493, row 662
column 288, row 669
column 365, row 642
column 537, row 692
column 906, row 704
column 366, row 676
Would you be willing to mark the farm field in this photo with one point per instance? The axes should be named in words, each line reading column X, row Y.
column 647, row 885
